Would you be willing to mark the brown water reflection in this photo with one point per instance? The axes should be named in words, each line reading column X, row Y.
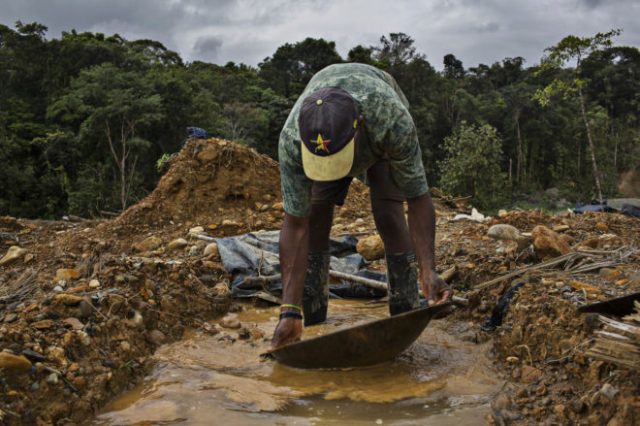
column 210, row 379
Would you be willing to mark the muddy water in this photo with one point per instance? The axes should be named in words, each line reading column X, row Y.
column 219, row 379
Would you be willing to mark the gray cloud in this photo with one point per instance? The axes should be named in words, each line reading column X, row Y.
column 207, row 48
column 250, row 30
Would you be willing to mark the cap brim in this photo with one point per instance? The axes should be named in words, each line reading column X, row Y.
column 328, row 167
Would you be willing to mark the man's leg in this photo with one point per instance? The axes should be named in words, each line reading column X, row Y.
column 315, row 296
column 387, row 205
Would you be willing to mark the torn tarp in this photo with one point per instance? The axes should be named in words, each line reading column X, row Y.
column 627, row 206
column 256, row 254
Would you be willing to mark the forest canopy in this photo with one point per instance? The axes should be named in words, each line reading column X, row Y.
column 85, row 119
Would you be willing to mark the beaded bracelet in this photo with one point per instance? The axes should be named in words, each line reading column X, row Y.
column 290, row 315
column 289, row 305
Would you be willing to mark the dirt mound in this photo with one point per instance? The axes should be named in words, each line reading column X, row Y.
column 207, row 182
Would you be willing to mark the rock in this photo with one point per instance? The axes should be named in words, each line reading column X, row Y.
column 10, row 363
column 602, row 227
column 52, row 378
column 608, row 391
column 148, row 244
column 34, row 356
column 157, row 337
column 73, row 323
column 14, row 253
column 177, row 244
column 513, row 359
column 530, row 374
column 94, row 284
column 230, row 321
column 278, row 206
column 503, row 213
column 229, row 222
column 547, row 243
column 211, row 250
column 588, row 288
column 67, row 274
column 222, row 289
column 56, row 354
column 11, row 317
column 58, row 289
column 67, row 299
column 194, row 250
column 196, row 230
column 43, row 325
column 561, row 228
column 125, row 346
column 84, row 338
column 371, row 248
column 501, row 402
column 506, row 232
column 559, row 410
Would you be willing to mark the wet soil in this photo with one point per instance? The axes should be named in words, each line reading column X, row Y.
column 440, row 377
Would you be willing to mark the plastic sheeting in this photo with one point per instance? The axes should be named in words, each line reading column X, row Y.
column 256, row 254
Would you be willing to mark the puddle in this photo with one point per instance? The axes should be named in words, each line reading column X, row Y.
column 202, row 379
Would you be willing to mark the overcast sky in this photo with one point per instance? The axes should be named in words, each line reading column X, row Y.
column 476, row 31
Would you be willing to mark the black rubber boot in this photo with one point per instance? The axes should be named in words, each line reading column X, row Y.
column 315, row 296
column 402, row 275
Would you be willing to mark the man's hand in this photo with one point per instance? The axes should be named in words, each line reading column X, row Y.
column 288, row 330
column 434, row 289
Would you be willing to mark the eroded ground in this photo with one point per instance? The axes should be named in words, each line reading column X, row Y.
column 85, row 306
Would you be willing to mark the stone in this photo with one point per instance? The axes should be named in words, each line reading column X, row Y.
column 513, row 359
column 561, row 228
column 125, row 346
column 94, row 284
column 157, row 337
column 14, row 253
column 608, row 391
column 52, row 378
column 84, row 338
column 148, row 244
column 602, row 227
column 502, row 213
column 177, row 244
column 230, row 321
column 10, row 363
column 67, row 274
column 211, row 250
column 67, row 299
column 194, row 250
column 530, row 374
column 371, row 248
column 547, row 243
column 56, row 354
column 73, row 323
column 506, row 232
column 229, row 222
column 501, row 402
column 43, row 325
column 196, row 230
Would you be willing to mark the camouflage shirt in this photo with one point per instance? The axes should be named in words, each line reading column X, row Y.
column 389, row 134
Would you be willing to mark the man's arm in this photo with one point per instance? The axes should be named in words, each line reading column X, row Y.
column 422, row 227
column 294, row 247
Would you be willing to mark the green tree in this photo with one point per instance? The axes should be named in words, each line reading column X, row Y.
column 573, row 48
column 112, row 106
column 472, row 165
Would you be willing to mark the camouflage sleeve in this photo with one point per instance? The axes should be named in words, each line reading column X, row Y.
column 397, row 134
column 396, row 87
column 296, row 187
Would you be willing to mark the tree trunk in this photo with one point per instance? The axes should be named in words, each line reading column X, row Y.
column 520, row 157
column 594, row 164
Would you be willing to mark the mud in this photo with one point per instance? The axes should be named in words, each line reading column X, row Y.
column 199, row 377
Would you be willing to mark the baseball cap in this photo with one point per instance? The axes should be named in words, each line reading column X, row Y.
column 328, row 122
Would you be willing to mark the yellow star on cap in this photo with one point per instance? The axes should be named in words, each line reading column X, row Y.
column 321, row 144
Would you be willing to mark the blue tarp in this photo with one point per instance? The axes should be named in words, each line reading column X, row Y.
column 256, row 253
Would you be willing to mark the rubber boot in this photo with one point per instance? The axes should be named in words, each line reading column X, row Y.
column 315, row 295
column 402, row 274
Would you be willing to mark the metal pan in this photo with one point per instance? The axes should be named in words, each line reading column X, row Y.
column 359, row 346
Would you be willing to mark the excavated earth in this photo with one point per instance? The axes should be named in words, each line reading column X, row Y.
column 84, row 305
